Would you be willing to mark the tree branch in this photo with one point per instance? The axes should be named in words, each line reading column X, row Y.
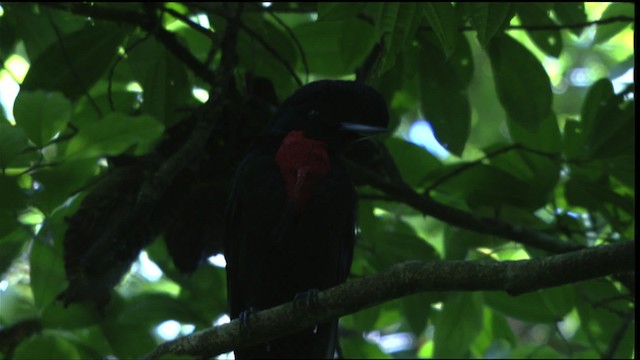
column 400, row 191
column 136, row 18
column 513, row 277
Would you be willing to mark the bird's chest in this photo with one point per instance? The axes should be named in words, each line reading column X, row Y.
column 302, row 163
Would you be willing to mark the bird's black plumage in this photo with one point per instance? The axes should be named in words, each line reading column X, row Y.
column 291, row 216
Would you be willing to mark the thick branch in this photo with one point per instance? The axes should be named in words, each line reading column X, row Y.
column 513, row 277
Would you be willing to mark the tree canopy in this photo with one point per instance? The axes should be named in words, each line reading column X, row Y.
column 511, row 234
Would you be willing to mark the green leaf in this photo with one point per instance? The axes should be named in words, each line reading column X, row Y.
column 328, row 11
column 42, row 114
column 10, row 247
column 354, row 47
column 127, row 339
column 13, row 141
column 444, row 21
column 397, row 26
column 571, row 13
column 35, row 29
column 413, row 161
column 392, row 241
column 495, row 337
column 522, row 84
column 72, row 70
column 356, row 347
column 12, row 196
column 580, row 191
column 532, row 14
column 254, row 57
column 531, row 307
column 346, row 42
column 70, row 317
column 613, row 130
column 416, row 309
column 46, row 346
column 164, row 82
column 598, row 322
column 457, row 325
column 487, row 186
column 60, row 182
column 607, row 31
column 489, row 19
column 597, row 97
column 47, row 273
column 155, row 308
column 543, row 171
column 113, row 135
column 444, row 101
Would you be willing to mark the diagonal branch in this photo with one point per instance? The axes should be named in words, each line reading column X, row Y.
column 513, row 277
column 401, row 192
column 140, row 19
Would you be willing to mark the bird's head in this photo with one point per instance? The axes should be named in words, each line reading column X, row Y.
column 333, row 111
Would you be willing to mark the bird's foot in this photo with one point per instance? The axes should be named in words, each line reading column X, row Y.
column 244, row 318
column 307, row 299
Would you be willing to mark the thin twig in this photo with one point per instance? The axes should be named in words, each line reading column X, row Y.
column 112, row 69
column 72, row 68
column 260, row 40
column 617, row 337
column 293, row 36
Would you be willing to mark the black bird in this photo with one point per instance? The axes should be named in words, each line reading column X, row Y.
column 291, row 216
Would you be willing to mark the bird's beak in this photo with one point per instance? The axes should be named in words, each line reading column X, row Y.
column 362, row 128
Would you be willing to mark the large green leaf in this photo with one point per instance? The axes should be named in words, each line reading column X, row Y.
column 580, row 191
column 522, row 84
column 413, row 161
column 42, row 114
column 58, row 183
column 255, row 57
column 113, row 135
column 155, row 308
column 47, row 273
column 46, row 346
column 532, row 14
column 444, row 21
column 336, row 47
column 600, row 325
column 443, row 96
column 13, row 141
column 571, row 13
column 613, row 131
column 127, row 339
column 397, row 26
column 73, row 316
column 13, row 200
column 36, row 27
column 164, row 82
column 495, row 332
column 489, row 19
column 328, row 11
column 10, row 246
column 607, row 31
column 485, row 186
column 599, row 94
column 542, row 171
column 75, row 65
column 532, row 307
column 457, row 325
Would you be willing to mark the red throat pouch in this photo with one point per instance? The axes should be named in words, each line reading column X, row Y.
column 302, row 162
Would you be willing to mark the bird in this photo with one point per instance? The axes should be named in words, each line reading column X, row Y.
column 290, row 219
